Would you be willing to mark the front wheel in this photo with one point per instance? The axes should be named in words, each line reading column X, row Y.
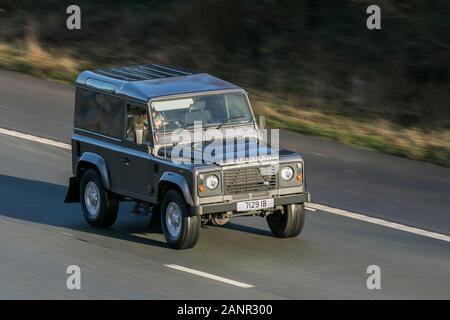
column 289, row 223
column 180, row 229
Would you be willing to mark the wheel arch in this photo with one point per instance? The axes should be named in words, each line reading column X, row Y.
column 173, row 180
column 91, row 160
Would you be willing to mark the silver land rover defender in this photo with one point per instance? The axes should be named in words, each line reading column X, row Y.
column 137, row 135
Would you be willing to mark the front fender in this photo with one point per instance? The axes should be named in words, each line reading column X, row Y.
column 179, row 181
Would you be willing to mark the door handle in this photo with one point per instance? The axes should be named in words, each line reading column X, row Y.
column 126, row 161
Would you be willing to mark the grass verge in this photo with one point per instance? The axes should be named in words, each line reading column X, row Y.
column 29, row 57
column 383, row 136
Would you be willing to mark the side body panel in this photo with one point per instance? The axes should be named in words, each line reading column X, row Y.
column 158, row 169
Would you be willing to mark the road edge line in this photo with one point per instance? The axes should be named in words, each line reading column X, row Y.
column 33, row 138
column 381, row 222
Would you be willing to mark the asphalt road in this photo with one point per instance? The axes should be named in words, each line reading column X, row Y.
column 40, row 235
column 400, row 190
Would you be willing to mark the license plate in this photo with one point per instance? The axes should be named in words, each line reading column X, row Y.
column 255, row 205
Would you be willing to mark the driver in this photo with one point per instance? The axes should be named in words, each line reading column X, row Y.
column 137, row 122
column 158, row 119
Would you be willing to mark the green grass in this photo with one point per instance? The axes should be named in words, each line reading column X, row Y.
column 29, row 69
column 433, row 154
column 31, row 59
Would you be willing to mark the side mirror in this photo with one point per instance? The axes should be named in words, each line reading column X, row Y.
column 262, row 122
column 139, row 136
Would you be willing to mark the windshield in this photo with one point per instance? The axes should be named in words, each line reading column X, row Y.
column 212, row 110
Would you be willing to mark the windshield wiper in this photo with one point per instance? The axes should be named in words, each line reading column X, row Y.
column 191, row 125
column 228, row 121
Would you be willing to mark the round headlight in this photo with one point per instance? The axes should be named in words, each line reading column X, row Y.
column 287, row 173
column 212, row 182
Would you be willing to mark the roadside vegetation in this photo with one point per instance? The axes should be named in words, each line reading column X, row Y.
column 29, row 57
column 381, row 135
column 310, row 66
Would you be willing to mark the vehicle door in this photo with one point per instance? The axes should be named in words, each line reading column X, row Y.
column 135, row 163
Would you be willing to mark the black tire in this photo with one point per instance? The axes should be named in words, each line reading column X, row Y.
column 189, row 226
column 288, row 224
column 108, row 204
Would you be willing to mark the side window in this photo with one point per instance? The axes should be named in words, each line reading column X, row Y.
column 98, row 112
column 137, row 123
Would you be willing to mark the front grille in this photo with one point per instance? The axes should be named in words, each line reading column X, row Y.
column 249, row 179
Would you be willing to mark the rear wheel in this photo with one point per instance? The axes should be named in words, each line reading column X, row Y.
column 289, row 223
column 99, row 206
column 180, row 229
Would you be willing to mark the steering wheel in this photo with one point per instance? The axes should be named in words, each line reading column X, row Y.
column 177, row 123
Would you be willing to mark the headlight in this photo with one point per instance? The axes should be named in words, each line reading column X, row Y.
column 212, row 182
column 287, row 173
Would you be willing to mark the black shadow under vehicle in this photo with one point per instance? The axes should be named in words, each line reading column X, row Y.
column 123, row 149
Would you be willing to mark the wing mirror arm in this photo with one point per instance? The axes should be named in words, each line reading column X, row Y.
column 262, row 122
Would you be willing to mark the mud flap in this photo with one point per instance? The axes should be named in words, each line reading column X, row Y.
column 155, row 219
column 73, row 194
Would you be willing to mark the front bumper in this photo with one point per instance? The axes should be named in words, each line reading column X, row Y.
column 232, row 206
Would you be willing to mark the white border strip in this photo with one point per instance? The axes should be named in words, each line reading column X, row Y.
column 35, row 139
column 310, row 207
column 67, row 234
column 210, row 276
column 380, row 222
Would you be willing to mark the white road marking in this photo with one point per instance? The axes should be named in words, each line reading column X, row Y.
column 311, row 206
column 209, row 276
column 35, row 139
column 319, row 154
column 67, row 234
column 381, row 222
